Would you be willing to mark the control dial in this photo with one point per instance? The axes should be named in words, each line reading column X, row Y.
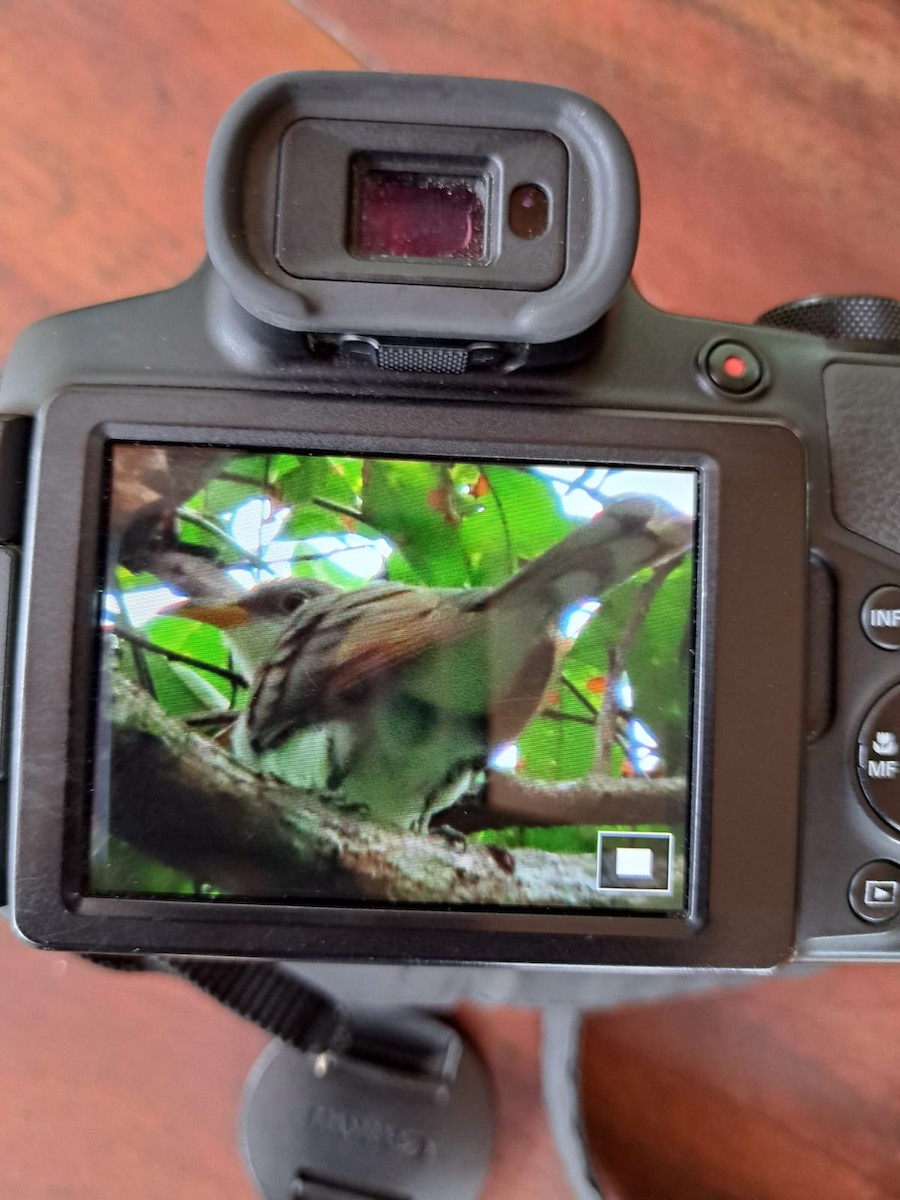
column 874, row 320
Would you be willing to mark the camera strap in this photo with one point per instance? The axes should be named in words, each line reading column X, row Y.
column 286, row 1007
column 385, row 1105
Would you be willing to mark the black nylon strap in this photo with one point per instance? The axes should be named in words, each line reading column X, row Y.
column 278, row 1003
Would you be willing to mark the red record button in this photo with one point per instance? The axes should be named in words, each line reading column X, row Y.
column 733, row 368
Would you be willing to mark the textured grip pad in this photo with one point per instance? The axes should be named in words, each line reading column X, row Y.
column 863, row 410
column 840, row 318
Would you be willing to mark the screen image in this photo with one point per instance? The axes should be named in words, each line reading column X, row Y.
column 327, row 679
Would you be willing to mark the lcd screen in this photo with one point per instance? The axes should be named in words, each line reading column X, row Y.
column 325, row 679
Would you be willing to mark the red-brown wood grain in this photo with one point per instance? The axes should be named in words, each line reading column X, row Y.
column 107, row 109
column 784, row 1089
column 767, row 140
column 127, row 1087
column 116, row 1087
column 765, row 133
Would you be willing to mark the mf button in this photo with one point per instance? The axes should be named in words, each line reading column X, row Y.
column 880, row 617
column 874, row 893
column 878, row 757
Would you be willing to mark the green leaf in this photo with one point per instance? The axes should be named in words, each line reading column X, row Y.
column 350, row 472
column 606, row 627
column 128, row 581
column 310, row 477
column 400, row 570
column 515, row 517
column 283, row 464
column 207, row 693
column 558, row 839
column 342, row 483
column 413, row 504
column 530, row 509
column 325, row 567
column 202, row 642
column 659, row 665
column 250, row 467
column 310, row 521
column 553, row 750
column 176, row 699
column 222, row 496
column 194, row 535
column 126, row 870
column 486, row 542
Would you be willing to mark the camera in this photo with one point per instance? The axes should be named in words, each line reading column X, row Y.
column 404, row 588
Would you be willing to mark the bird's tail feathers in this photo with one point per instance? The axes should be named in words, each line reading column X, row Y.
column 627, row 536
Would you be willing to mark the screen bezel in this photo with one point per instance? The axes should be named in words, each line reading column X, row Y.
column 740, row 899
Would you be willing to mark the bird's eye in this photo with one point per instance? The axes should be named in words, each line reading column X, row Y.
column 291, row 602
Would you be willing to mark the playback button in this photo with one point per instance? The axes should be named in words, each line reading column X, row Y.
column 878, row 757
column 874, row 893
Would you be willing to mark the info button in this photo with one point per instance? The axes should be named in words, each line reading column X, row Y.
column 880, row 617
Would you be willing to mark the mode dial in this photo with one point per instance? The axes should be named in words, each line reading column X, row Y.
column 874, row 320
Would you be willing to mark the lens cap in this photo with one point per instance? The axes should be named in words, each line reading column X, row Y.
column 340, row 1128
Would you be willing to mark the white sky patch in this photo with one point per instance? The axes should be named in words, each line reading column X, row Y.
column 643, row 748
column 625, row 693
column 256, row 523
column 642, row 735
column 358, row 555
column 596, row 477
column 247, row 578
column 143, row 605
column 576, row 502
column 255, row 526
column 647, row 761
column 280, row 553
column 576, row 616
column 584, row 502
column 567, row 474
column 504, row 757
column 679, row 488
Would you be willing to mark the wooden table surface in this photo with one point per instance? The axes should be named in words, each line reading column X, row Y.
column 767, row 138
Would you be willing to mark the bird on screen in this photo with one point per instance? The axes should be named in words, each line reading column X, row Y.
column 388, row 698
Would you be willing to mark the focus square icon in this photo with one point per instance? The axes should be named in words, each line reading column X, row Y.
column 635, row 863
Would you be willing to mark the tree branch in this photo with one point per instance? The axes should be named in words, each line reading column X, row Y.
column 342, row 510
column 180, row 799
column 511, row 800
column 617, row 660
column 137, row 639
column 210, row 526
